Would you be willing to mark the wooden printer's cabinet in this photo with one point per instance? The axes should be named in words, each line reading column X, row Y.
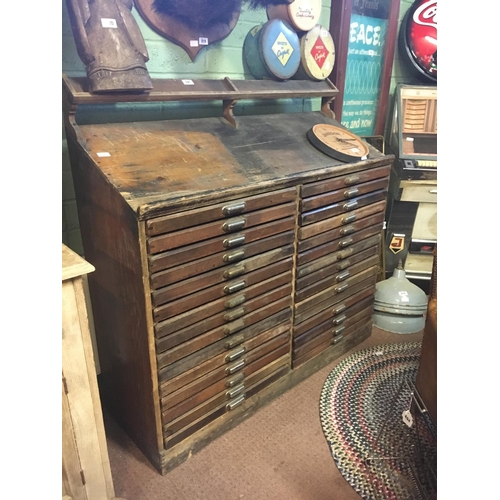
column 231, row 263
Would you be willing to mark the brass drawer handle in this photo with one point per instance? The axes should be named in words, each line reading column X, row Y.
column 344, row 254
column 234, row 327
column 234, row 392
column 346, row 243
column 237, row 313
column 347, row 230
column 234, row 368
column 234, row 225
column 339, row 320
column 237, row 208
column 234, row 341
column 343, row 265
column 233, row 404
column 348, row 219
column 342, row 277
column 351, row 180
column 235, row 380
column 234, row 272
column 339, row 309
column 233, row 257
column 343, row 288
column 350, row 206
column 236, row 301
column 233, row 356
column 235, row 287
column 336, row 340
column 234, row 242
column 338, row 330
column 349, row 193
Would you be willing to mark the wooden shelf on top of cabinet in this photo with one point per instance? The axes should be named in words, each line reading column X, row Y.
column 232, row 263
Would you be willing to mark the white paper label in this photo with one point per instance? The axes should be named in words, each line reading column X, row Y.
column 187, row 82
column 408, row 418
column 409, row 139
column 108, row 23
column 203, row 40
column 104, row 153
column 324, row 33
column 404, row 296
column 193, row 43
column 354, row 150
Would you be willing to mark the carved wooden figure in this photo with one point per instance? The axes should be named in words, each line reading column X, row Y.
column 110, row 43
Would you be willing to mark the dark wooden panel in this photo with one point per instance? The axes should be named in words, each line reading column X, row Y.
column 340, row 256
column 332, row 184
column 221, row 259
column 342, row 243
column 219, row 361
column 326, row 199
column 198, row 283
column 337, row 278
column 334, row 310
column 172, row 336
column 340, row 220
column 225, row 210
column 189, row 253
column 186, row 314
column 341, row 207
column 331, row 294
column 171, row 369
column 346, row 230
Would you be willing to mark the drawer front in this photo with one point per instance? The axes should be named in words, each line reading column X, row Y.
column 222, row 211
column 327, row 199
column 207, row 282
column 319, row 187
column 342, row 207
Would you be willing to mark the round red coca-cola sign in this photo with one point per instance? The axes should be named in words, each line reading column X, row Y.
column 418, row 38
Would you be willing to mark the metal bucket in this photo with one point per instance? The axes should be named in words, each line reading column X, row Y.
column 272, row 50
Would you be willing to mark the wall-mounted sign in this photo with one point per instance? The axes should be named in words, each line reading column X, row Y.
column 364, row 32
column 418, row 39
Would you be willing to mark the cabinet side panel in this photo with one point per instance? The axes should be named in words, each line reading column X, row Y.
column 111, row 241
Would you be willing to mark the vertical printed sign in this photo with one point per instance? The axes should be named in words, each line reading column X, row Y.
column 367, row 36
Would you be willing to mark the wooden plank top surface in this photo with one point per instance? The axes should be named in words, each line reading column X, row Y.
column 73, row 265
column 159, row 164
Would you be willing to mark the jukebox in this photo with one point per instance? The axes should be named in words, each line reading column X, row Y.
column 411, row 218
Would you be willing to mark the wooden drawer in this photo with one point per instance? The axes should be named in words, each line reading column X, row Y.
column 172, row 362
column 189, row 253
column 164, row 278
column 209, row 281
column 332, row 269
column 334, row 310
column 221, row 211
column 345, row 243
column 340, row 220
column 330, row 342
column 340, row 259
column 219, row 361
column 332, row 279
column 191, row 324
column 330, row 295
column 339, row 232
column 319, row 187
column 332, row 327
column 341, row 207
column 229, row 294
column 199, row 417
column 347, row 193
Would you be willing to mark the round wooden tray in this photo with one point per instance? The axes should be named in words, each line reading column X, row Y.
column 338, row 143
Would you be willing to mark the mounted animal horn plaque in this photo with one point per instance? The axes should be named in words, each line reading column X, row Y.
column 194, row 24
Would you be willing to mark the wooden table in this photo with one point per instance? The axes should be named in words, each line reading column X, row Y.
column 86, row 473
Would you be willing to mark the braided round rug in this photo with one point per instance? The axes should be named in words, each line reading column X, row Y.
column 361, row 410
